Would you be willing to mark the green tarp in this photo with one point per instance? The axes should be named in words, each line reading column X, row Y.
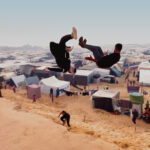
column 136, row 98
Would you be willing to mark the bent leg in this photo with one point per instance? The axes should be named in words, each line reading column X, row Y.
column 56, row 69
column 97, row 51
column 64, row 39
column 68, row 120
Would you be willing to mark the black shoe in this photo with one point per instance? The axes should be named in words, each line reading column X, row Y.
column 81, row 42
column 84, row 42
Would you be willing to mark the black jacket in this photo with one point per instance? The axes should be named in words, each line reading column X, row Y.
column 61, row 56
column 108, row 61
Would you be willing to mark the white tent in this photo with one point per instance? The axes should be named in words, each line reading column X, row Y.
column 144, row 66
column 19, row 80
column 144, row 78
column 53, row 82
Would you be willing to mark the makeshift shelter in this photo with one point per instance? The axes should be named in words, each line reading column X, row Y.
column 33, row 90
column 19, row 80
column 32, row 80
column 54, row 83
column 82, row 77
column 105, row 99
column 132, row 89
column 137, row 101
column 114, row 71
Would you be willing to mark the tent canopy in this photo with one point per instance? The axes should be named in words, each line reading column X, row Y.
column 136, row 98
column 106, row 94
column 54, row 83
column 32, row 80
column 144, row 77
column 105, row 99
column 19, row 80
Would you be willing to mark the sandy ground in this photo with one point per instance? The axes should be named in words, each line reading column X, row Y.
column 26, row 125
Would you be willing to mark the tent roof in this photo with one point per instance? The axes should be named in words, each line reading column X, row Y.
column 106, row 93
column 18, row 79
column 53, row 81
column 144, row 76
column 83, row 72
column 33, row 79
column 144, row 66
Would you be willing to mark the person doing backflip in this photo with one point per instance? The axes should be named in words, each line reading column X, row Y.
column 61, row 53
column 100, row 59
column 65, row 117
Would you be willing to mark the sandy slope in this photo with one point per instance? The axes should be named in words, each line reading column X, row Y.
column 36, row 126
column 22, row 130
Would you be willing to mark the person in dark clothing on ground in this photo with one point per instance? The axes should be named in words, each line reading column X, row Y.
column 65, row 117
column 51, row 94
column 100, row 59
column 61, row 53
column 134, row 117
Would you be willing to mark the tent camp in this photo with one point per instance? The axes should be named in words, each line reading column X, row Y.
column 19, row 80
column 53, row 82
column 33, row 90
column 137, row 101
column 32, row 80
column 105, row 99
column 82, row 77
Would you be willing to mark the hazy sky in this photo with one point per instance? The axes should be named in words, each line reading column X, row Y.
column 37, row 22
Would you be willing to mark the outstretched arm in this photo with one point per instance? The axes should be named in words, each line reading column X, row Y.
column 60, row 114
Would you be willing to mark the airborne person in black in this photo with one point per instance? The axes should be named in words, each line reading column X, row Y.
column 100, row 59
column 61, row 53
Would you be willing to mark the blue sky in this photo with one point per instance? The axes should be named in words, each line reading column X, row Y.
column 37, row 22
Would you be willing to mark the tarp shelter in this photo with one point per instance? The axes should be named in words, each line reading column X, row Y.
column 144, row 78
column 132, row 89
column 137, row 100
column 114, row 71
column 33, row 90
column 82, row 77
column 19, row 80
column 53, row 82
column 102, row 72
column 32, row 80
column 105, row 99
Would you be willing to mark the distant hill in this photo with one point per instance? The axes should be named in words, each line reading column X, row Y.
column 24, row 47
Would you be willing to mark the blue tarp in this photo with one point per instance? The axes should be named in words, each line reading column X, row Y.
column 114, row 71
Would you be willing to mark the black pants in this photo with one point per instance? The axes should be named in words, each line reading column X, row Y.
column 63, row 118
column 61, row 55
column 60, row 48
column 134, row 120
column 96, row 50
